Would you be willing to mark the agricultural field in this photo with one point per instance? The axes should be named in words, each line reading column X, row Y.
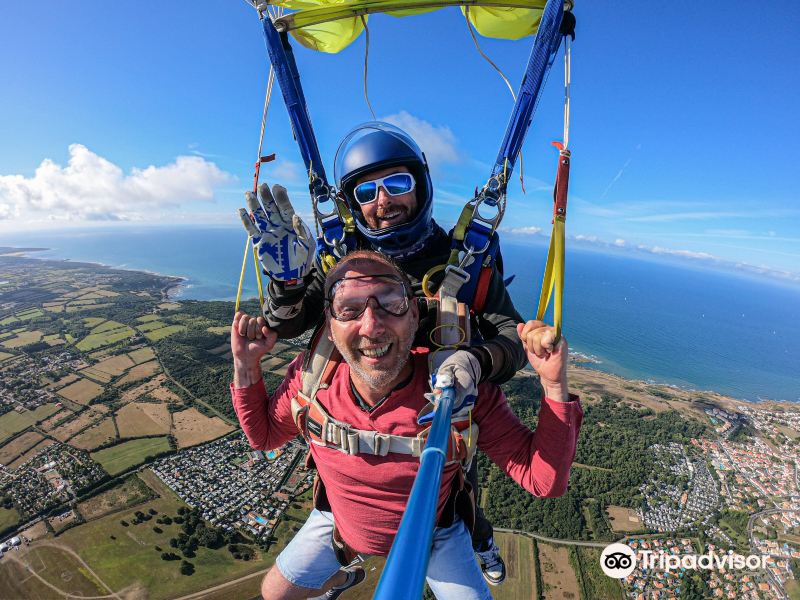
column 8, row 517
column 117, row 459
column 63, row 382
column 22, row 339
column 14, row 422
column 72, row 426
column 142, row 389
column 623, row 519
column 142, row 355
column 5, row 355
column 82, row 391
column 160, row 334
column 18, row 446
column 517, row 551
column 95, row 375
column 191, row 427
column 96, row 435
column 139, row 372
column 115, row 365
column 143, row 418
column 147, row 318
column 558, row 576
column 29, row 454
column 129, row 493
column 598, row 584
column 105, row 334
column 31, row 313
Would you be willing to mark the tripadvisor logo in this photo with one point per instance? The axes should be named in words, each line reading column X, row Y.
column 618, row 560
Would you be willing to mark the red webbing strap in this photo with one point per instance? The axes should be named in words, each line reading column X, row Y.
column 562, row 182
column 482, row 290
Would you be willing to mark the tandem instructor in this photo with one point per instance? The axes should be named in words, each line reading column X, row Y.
column 357, row 405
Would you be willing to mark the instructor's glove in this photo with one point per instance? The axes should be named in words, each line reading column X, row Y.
column 284, row 243
column 464, row 370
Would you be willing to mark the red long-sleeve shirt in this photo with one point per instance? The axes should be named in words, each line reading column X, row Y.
column 368, row 493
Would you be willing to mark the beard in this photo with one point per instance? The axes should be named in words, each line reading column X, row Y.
column 377, row 377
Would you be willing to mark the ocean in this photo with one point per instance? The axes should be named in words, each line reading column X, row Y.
column 670, row 323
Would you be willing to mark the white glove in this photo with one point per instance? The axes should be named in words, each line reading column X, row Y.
column 464, row 371
column 284, row 243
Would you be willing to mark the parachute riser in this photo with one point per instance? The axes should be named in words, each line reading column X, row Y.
column 333, row 228
column 545, row 47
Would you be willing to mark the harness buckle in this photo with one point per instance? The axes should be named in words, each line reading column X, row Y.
column 381, row 442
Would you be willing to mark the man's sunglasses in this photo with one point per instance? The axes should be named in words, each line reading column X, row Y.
column 395, row 184
column 348, row 298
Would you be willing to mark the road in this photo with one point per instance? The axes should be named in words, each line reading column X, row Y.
column 751, row 540
column 550, row 540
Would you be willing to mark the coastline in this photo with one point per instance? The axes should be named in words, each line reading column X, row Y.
column 580, row 361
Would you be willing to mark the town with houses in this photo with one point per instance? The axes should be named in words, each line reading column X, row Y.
column 755, row 476
column 236, row 487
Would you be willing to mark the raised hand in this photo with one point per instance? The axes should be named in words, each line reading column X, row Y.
column 283, row 241
column 250, row 340
column 546, row 357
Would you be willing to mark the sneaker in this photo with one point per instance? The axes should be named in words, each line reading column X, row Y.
column 492, row 565
column 354, row 577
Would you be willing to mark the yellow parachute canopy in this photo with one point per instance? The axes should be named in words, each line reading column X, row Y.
column 332, row 25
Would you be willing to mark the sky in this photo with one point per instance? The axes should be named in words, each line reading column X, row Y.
column 684, row 131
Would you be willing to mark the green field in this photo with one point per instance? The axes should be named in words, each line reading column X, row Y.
column 151, row 325
column 30, row 314
column 9, row 320
column 517, row 552
column 13, row 422
column 160, row 334
column 8, row 517
column 51, row 564
column 123, row 456
column 131, row 558
column 103, row 335
column 146, row 318
column 598, row 584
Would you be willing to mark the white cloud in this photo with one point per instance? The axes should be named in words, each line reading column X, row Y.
column 91, row 187
column 619, row 242
column 437, row 142
column 684, row 253
column 586, row 238
column 523, row 230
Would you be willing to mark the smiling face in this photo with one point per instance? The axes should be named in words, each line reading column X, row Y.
column 376, row 345
column 387, row 210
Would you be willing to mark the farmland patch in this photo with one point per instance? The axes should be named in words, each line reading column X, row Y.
column 82, row 391
column 14, row 422
column 22, row 339
column 95, row 436
column 142, row 355
column 18, row 446
column 128, row 454
column 143, row 418
column 191, row 427
column 138, row 372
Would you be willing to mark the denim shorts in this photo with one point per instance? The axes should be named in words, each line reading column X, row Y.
column 453, row 572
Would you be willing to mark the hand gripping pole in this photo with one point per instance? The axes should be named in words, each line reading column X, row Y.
column 407, row 564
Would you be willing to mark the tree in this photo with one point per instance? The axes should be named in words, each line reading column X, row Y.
column 187, row 568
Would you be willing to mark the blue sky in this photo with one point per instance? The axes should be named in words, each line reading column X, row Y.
column 684, row 126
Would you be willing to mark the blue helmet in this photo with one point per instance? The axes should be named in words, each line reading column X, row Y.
column 377, row 145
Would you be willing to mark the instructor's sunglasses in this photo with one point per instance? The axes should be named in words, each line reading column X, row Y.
column 348, row 297
column 395, row 184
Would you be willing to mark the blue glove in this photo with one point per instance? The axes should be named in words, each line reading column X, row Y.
column 284, row 243
column 461, row 370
